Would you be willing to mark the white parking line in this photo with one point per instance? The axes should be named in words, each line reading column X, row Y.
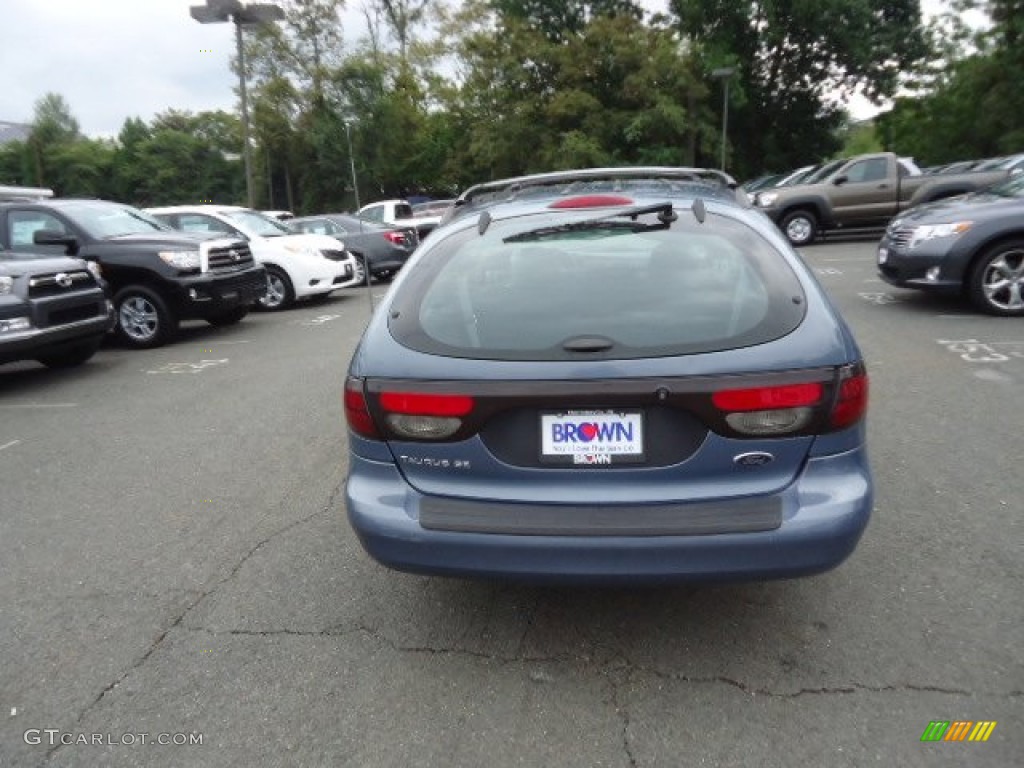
column 202, row 365
column 10, row 444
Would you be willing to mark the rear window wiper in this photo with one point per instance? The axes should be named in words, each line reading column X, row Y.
column 604, row 224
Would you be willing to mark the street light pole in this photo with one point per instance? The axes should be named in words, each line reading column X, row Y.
column 725, row 73
column 352, row 166
column 240, row 14
column 355, row 191
column 246, row 149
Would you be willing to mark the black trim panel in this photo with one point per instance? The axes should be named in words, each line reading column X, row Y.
column 693, row 519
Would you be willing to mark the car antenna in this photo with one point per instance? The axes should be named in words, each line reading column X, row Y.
column 484, row 223
column 699, row 211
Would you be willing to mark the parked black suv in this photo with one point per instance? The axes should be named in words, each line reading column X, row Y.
column 53, row 310
column 157, row 276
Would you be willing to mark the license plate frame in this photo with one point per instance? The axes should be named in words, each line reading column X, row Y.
column 600, row 444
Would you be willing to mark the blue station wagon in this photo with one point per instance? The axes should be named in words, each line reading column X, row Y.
column 608, row 375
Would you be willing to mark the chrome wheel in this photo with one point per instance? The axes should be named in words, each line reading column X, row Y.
column 1002, row 281
column 359, row 271
column 138, row 318
column 276, row 293
column 799, row 230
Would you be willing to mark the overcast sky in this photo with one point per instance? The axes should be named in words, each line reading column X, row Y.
column 114, row 59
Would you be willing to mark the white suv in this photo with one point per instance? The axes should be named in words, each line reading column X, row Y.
column 298, row 265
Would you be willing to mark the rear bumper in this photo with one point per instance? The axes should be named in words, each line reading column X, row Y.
column 824, row 514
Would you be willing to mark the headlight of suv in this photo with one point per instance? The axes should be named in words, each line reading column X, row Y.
column 181, row 259
column 95, row 269
column 6, row 285
column 764, row 199
column 927, row 232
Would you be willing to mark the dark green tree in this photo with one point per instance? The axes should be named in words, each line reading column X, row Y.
column 796, row 60
column 557, row 21
column 53, row 126
column 970, row 98
column 616, row 91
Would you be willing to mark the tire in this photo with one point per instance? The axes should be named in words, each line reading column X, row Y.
column 360, row 270
column 996, row 283
column 143, row 318
column 280, row 293
column 799, row 227
column 231, row 317
column 71, row 357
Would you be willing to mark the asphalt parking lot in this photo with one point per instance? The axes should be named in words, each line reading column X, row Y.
column 175, row 561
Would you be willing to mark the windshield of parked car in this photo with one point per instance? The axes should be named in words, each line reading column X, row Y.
column 799, row 177
column 1012, row 187
column 255, row 224
column 528, row 287
column 825, row 171
column 104, row 220
column 353, row 224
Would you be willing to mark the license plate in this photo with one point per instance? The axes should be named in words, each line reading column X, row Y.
column 883, row 255
column 582, row 438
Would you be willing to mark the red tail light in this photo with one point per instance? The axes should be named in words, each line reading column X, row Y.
column 395, row 237
column 852, row 402
column 356, row 411
column 592, row 201
column 761, row 398
column 770, row 411
column 419, row 404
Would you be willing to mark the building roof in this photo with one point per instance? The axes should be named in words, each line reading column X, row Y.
column 13, row 131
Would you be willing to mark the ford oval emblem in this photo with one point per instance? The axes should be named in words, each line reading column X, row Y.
column 63, row 279
column 753, row 459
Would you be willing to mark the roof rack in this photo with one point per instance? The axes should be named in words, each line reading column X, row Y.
column 703, row 181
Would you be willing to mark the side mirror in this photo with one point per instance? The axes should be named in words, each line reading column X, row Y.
column 53, row 237
column 840, row 180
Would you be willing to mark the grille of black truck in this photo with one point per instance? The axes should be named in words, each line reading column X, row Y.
column 253, row 283
column 235, row 255
column 59, row 283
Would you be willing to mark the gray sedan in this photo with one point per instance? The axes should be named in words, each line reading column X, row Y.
column 971, row 245
column 385, row 248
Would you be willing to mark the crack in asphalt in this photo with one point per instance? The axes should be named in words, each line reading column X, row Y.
column 612, row 674
column 605, row 668
column 837, row 690
column 158, row 640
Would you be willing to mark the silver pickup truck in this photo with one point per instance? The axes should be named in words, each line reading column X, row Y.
column 862, row 192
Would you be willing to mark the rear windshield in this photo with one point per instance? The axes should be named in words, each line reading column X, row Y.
column 403, row 211
column 619, row 293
